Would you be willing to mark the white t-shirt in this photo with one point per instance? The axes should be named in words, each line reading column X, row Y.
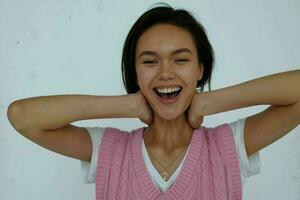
column 249, row 166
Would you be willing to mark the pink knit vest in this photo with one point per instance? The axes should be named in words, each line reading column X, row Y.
column 209, row 172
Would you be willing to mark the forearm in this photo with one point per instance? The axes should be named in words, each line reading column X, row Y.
column 53, row 112
column 276, row 89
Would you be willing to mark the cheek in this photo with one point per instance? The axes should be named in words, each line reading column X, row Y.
column 144, row 77
column 189, row 75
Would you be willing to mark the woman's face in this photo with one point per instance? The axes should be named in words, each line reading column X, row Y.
column 166, row 58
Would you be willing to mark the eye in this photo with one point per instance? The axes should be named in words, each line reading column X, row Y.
column 181, row 60
column 149, row 62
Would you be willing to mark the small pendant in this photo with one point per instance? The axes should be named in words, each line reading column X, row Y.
column 164, row 175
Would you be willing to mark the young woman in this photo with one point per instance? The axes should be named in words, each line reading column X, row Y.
column 167, row 60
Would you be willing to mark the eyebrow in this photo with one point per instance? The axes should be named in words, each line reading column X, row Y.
column 152, row 53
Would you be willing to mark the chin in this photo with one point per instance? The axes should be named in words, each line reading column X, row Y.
column 169, row 115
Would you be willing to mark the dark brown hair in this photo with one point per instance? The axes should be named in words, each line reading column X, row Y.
column 166, row 15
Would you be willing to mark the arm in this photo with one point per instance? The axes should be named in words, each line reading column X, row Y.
column 57, row 111
column 46, row 120
column 281, row 91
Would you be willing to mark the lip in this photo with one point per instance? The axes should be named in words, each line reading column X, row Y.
column 170, row 101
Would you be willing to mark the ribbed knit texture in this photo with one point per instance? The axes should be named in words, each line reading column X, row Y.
column 209, row 172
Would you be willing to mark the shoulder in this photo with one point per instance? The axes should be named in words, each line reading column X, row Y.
column 112, row 134
column 217, row 131
column 222, row 136
column 234, row 128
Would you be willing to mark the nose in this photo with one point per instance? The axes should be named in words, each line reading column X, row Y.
column 166, row 72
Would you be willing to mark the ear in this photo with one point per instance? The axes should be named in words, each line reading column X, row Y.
column 201, row 69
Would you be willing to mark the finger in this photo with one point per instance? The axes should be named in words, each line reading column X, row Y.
column 197, row 122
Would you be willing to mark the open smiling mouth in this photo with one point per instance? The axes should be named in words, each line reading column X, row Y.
column 168, row 95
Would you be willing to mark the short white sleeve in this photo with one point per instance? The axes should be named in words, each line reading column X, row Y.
column 88, row 169
column 251, row 165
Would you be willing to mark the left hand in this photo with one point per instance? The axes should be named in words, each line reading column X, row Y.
column 196, row 109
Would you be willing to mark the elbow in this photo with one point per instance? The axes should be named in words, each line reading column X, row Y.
column 14, row 115
column 297, row 109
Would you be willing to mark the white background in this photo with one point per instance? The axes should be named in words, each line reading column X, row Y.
column 74, row 47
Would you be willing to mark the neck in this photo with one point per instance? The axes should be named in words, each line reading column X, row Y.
column 169, row 134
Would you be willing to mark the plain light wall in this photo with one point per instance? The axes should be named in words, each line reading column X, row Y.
column 74, row 47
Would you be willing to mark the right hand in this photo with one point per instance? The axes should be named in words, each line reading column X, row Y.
column 143, row 109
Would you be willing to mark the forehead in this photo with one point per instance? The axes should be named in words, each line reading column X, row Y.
column 165, row 38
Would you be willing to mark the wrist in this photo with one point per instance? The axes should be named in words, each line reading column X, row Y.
column 132, row 103
column 207, row 103
column 221, row 100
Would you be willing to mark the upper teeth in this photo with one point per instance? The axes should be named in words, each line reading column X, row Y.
column 168, row 90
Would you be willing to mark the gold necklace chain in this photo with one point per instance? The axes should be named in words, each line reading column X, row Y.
column 164, row 174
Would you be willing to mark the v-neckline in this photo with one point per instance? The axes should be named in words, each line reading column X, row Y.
column 157, row 175
column 184, row 177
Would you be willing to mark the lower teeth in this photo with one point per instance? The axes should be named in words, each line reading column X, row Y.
column 169, row 96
